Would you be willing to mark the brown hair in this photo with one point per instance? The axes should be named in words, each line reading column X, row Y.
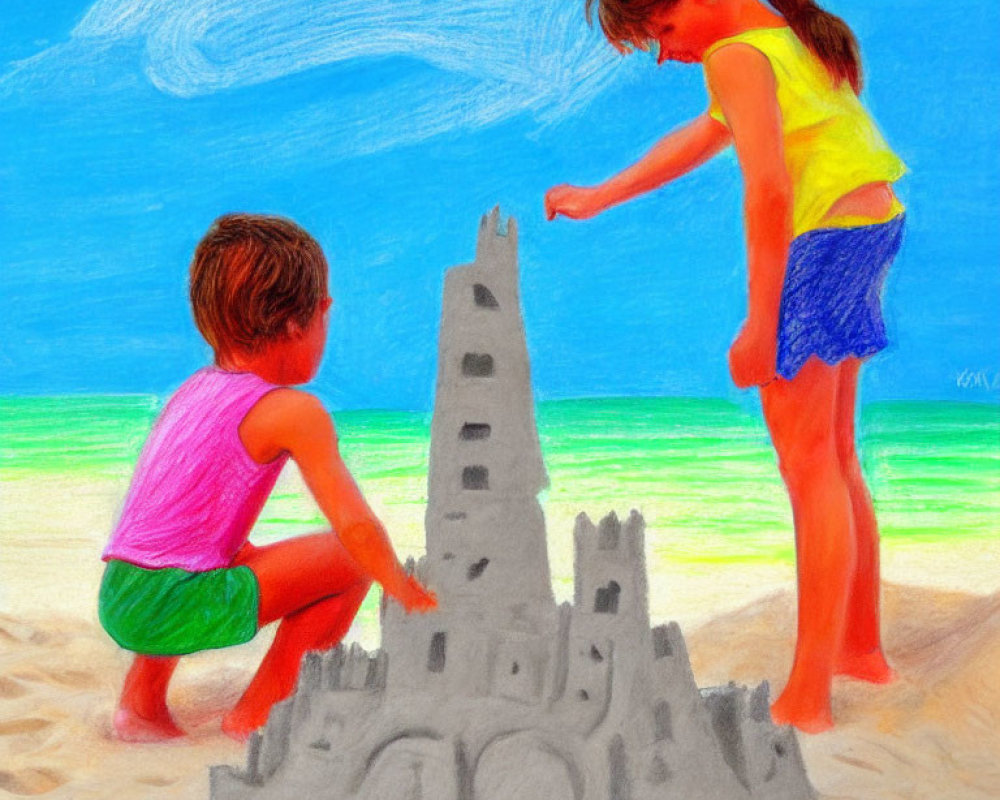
column 250, row 277
column 827, row 36
column 623, row 21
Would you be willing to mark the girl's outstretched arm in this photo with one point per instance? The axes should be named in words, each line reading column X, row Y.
column 293, row 421
column 743, row 81
column 672, row 156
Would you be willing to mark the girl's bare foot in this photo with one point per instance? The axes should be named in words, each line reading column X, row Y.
column 802, row 711
column 130, row 727
column 871, row 667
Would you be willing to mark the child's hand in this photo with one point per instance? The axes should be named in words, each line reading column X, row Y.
column 575, row 202
column 413, row 596
column 753, row 357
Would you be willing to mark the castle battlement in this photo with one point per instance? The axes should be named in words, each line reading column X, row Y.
column 501, row 693
column 609, row 568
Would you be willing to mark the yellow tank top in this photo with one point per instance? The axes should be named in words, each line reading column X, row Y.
column 831, row 143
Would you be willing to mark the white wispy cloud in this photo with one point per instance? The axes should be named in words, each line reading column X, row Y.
column 494, row 58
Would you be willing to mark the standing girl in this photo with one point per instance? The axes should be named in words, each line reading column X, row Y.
column 822, row 226
column 181, row 575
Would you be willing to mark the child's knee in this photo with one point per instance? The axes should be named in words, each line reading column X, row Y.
column 362, row 586
column 342, row 567
column 806, row 459
column 847, row 458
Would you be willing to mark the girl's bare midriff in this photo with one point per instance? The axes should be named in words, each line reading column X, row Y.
column 873, row 200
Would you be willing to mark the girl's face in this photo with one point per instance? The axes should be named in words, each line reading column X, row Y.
column 684, row 30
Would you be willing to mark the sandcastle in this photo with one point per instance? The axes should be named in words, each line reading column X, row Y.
column 502, row 693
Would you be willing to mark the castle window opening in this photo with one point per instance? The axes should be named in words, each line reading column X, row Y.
column 515, row 669
column 475, row 431
column 583, row 694
column 477, row 569
column 663, row 722
column 661, row 642
column 484, row 297
column 595, row 654
column 476, row 478
column 659, row 772
column 437, row 652
column 477, row 365
column 606, row 601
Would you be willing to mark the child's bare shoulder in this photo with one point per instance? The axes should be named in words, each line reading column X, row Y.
column 282, row 419
column 287, row 400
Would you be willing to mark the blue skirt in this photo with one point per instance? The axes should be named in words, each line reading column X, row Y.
column 831, row 301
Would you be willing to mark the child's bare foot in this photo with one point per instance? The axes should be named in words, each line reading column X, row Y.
column 130, row 727
column 804, row 712
column 871, row 667
column 239, row 723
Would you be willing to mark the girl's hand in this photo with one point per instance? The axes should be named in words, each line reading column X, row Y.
column 574, row 202
column 753, row 357
column 413, row 596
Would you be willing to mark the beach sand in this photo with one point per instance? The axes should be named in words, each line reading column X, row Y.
column 932, row 735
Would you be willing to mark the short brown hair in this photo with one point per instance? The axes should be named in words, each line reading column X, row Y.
column 251, row 275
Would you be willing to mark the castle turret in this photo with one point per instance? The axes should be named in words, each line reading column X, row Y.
column 610, row 575
column 485, row 529
column 486, row 552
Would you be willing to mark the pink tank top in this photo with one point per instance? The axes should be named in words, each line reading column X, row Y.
column 196, row 492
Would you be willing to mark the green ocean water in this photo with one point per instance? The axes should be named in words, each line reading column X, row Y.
column 701, row 472
column 934, row 468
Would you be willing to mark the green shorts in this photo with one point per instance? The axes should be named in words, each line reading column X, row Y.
column 171, row 612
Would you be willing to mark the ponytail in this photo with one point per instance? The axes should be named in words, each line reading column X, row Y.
column 827, row 36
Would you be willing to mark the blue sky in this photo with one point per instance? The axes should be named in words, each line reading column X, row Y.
column 387, row 128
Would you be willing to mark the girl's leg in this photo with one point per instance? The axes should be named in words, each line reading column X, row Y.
column 313, row 585
column 800, row 416
column 861, row 653
column 142, row 714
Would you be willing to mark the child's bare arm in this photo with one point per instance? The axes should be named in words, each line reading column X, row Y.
column 742, row 78
column 292, row 421
column 672, row 156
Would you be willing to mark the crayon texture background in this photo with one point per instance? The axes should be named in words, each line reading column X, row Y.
column 386, row 129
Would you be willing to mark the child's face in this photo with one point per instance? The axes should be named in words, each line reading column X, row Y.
column 684, row 30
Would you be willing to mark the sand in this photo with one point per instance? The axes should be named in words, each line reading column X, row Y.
column 933, row 734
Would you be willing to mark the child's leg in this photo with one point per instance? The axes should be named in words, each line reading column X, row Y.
column 800, row 415
column 861, row 654
column 142, row 714
column 313, row 585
